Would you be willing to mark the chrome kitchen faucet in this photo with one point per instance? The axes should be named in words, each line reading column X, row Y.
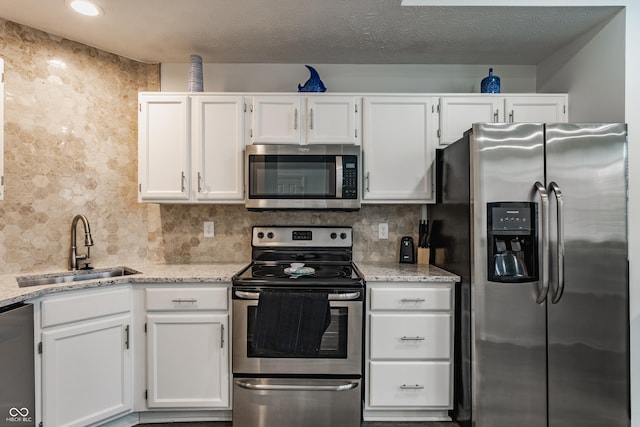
column 88, row 241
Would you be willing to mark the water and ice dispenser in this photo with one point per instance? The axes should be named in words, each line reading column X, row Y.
column 512, row 242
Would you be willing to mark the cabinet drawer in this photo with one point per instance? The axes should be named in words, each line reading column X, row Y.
column 411, row 298
column 187, row 299
column 417, row 384
column 409, row 336
column 84, row 305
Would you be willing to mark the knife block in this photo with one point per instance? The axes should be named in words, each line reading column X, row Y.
column 423, row 256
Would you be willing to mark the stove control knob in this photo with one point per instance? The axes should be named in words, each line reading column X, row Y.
column 260, row 235
column 334, row 235
column 270, row 235
column 343, row 236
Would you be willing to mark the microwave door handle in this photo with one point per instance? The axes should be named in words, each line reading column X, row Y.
column 339, row 176
column 553, row 187
column 544, row 240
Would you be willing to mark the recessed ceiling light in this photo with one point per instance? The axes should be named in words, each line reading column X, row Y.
column 86, row 7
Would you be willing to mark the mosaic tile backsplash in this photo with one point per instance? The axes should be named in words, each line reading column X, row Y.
column 71, row 147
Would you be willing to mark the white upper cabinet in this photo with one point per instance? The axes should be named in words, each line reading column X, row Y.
column 398, row 149
column 313, row 119
column 218, row 142
column 538, row 109
column 332, row 120
column 276, row 120
column 458, row 113
column 191, row 148
column 164, row 151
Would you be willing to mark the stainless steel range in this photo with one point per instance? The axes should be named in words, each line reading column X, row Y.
column 297, row 330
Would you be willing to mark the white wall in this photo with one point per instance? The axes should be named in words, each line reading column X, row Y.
column 349, row 78
column 591, row 70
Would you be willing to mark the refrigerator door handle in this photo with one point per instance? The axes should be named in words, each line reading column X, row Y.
column 544, row 239
column 553, row 187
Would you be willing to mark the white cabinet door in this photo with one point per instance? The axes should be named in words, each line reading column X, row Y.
column 332, row 120
column 218, row 143
column 458, row 113
column 86, row 371
column 398, row 152
column 538, row 109
column 276, row 120
column 187, row 360
column 164, row 156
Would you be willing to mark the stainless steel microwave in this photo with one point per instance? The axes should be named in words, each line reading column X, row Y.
column 307, row 177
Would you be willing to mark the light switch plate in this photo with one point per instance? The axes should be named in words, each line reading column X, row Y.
column 208, row 229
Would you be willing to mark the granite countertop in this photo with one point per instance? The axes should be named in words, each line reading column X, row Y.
column 11, row 293
column 396, row 272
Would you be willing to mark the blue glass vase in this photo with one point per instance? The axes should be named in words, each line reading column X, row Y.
column 490, row 84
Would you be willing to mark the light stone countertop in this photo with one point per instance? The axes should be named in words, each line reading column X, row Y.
column 11, row 293
column 396, row 272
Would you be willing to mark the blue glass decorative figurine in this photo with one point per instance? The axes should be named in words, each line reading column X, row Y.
column 490, row 84
column 314, row 84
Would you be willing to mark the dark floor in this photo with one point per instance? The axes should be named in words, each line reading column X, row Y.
column 364, row 424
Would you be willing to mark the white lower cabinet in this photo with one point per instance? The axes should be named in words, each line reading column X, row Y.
column 410, row 384
column 187, row 347
column 86, row 360
column 409, row 351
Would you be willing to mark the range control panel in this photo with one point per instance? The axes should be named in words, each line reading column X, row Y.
column 304, row 236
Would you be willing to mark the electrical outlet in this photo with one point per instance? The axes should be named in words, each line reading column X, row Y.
column 208, row 229
column 383, row 231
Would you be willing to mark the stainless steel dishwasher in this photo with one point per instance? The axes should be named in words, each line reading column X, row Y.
column 17, row 394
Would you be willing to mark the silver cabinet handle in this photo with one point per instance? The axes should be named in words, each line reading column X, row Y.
column 182, row 181
column 544, row 238
column 412, row 300
column 127, row 337
column 412, row 387
column 412, row 338
column 311, row 119
column 495, row 116
column 295, row 119
column 367, row 182
column 511, row 119
column 221, row 336
column 555, row 189
column 340, row 386
column 180, row 300
column 199, row 183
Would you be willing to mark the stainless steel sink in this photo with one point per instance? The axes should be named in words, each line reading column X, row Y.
column 74, row 276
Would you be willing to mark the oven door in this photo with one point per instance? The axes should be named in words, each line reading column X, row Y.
column 340, row 350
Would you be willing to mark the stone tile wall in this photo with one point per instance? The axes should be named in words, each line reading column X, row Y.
column 71, row 147
column 70, row 137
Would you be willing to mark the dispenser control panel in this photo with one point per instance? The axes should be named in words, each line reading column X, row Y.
column 511, row 218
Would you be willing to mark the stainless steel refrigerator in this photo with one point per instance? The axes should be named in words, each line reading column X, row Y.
column 533, row 217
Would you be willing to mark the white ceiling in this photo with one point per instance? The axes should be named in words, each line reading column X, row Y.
column 313, row 31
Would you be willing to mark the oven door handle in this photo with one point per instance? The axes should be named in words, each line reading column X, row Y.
column 342, row 386
column 346, row 296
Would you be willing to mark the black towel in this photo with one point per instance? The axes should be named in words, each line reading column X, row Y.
column 290, row 323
